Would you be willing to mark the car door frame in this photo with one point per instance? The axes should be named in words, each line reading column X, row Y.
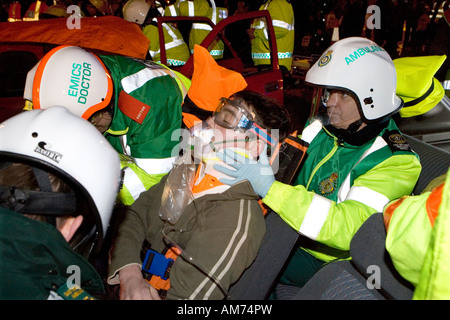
column 268, row 82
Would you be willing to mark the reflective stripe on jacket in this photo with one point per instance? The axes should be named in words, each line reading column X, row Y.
column 282, row 16
column 199, row 31
column 341, row 185
column 177, row 51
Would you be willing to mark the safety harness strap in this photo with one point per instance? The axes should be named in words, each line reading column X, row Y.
column 156, row 268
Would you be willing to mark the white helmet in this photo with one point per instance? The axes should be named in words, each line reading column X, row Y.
column 54, row 140
column 135, row 11
column 71, row 77
column 363, row 68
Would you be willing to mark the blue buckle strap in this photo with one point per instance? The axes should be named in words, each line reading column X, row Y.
column 157, row 264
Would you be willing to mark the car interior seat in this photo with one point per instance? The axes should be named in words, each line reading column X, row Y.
column 343, row 279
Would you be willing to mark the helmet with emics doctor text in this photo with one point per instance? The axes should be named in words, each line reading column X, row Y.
column 363, row 69
column 72, row 77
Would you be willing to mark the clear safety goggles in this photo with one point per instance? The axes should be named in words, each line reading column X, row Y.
column 232, row 115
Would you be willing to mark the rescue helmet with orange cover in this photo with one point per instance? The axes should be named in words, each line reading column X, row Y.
column 72, row 77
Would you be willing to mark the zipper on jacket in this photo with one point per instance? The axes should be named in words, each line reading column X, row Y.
column 325, row 159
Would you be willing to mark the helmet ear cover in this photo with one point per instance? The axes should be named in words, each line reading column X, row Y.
column 44, row 201
column 37, row 202
column 53, row 204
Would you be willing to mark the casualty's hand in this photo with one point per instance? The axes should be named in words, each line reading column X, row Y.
column 258, row 173
column 134, row 287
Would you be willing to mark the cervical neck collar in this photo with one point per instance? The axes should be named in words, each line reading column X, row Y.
column 207, row 178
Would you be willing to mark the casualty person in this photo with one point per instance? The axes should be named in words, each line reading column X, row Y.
column 210, row 230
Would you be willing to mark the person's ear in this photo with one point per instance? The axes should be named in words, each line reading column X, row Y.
column 70, row 226
column 256, row 147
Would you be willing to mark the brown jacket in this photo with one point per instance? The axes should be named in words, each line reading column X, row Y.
column 221, row 232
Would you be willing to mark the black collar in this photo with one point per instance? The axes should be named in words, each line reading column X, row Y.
column 371, row 131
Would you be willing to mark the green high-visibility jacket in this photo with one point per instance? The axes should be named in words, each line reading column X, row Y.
column 282, row 16
column 146, row 122
column 340, row 185
column 37, row 263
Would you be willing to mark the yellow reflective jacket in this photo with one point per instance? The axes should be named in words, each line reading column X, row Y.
column 177, row 51
column 199, row 31
column 282, row 16
column 418, row 240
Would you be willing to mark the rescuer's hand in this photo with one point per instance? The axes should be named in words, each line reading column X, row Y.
column 258, row 173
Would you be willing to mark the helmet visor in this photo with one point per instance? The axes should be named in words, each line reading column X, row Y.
column 335, row 106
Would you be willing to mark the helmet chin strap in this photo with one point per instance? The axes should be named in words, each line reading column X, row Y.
column 353, row 127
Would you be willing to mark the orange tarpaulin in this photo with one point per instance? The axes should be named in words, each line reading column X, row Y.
column 109, row 34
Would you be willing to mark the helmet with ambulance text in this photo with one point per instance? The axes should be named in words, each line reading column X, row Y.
column 56, row 141
column 72, row 77
column 365, row 70
column 135, row 11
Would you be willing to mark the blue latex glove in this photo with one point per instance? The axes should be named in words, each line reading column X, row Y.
column 258, row 173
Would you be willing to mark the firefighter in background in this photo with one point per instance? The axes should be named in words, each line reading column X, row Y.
column 199, row 31
column 144, row 14
column 135, row 103
column 59, row 179
column 418, row 239
column 282, row 15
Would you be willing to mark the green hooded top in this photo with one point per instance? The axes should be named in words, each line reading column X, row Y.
column 36, row 260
